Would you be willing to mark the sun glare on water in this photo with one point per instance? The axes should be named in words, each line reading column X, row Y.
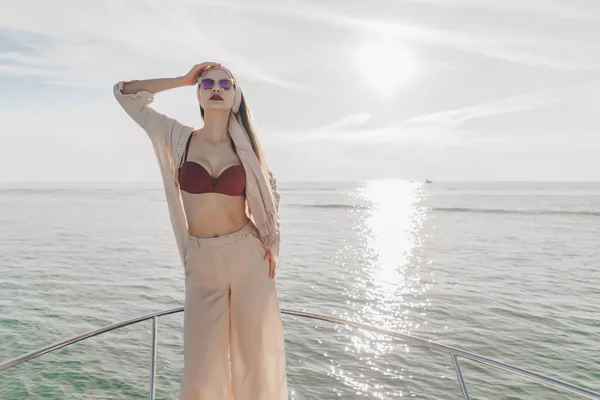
column 385, row 66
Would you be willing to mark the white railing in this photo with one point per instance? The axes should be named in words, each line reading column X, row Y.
column 453, row 352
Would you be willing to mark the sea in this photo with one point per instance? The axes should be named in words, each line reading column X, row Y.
column 510, row 271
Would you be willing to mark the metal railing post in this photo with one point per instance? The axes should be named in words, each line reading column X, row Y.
column 459, row 375
column 153, row 360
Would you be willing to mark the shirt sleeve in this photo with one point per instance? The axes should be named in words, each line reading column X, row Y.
column 137, row 105
column 276, row 195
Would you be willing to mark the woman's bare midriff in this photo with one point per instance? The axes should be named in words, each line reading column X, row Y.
column 214, row 214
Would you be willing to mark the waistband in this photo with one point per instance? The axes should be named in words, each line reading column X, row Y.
column 229, row 238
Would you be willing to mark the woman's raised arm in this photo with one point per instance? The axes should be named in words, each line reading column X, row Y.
column 136, row 96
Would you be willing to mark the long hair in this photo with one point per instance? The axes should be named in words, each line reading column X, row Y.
column 243, row 116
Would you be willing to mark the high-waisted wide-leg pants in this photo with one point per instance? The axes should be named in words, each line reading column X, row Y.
column 233, row 335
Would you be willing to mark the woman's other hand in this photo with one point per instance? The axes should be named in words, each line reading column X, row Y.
column 269, row 257
column 191, row 77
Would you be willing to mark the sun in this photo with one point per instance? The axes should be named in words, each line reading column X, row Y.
column 385, row 65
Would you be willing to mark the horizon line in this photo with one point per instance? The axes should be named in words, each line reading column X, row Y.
column 280, row 181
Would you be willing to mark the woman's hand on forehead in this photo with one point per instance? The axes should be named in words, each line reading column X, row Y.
column 191, row 77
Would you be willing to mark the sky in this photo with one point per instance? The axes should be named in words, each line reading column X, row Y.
column 340, row 90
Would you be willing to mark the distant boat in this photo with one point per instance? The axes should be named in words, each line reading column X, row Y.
column 428, row 181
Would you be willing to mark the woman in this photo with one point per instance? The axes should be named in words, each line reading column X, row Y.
column 223, row 205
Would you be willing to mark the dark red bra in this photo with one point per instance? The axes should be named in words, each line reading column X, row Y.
column 194, row 178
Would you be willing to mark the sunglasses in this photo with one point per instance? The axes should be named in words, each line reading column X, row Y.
column 208, row 83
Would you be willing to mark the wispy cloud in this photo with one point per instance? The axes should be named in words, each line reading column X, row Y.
column 514, row 45
column 99, row 40
column 102, row 39
column 336, row 129
column 509, row 105
column 540, row 7
column 354, row 128
column 445, row 127
column 349, row 122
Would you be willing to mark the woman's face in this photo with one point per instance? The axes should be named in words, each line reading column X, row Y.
column 216, row 90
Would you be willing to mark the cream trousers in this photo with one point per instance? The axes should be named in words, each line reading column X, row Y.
column 233, row 336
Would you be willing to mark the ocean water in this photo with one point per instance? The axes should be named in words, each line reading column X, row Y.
column 507, row 270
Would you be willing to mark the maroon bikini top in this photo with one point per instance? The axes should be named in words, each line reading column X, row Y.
column 194, row 178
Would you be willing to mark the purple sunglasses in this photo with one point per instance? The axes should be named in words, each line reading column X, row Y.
column 208, row 83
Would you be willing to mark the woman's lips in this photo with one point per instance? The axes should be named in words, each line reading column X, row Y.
column 215, row 97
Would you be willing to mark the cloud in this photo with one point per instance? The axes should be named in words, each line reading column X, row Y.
column 349, row 121
column 353, row 128
column 512, row 45
column 544, row 7
column 100, row 40
column 445, row 127
column 336, row 129
column 509, row 105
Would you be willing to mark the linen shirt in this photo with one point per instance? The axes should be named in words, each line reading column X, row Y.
column 168, row 137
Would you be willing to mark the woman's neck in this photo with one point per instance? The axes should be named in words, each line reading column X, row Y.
column 216, row 124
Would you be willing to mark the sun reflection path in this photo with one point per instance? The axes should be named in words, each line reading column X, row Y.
column 386, row 289
column 391, row 234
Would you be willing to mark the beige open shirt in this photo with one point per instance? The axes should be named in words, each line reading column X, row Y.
column 168, row 138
